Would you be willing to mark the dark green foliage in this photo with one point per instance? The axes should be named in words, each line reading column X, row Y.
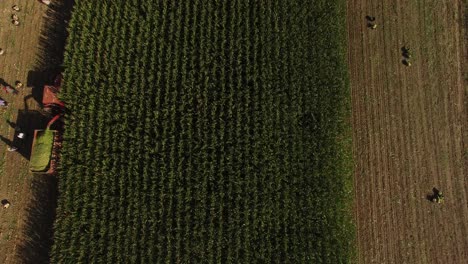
column 206, row 131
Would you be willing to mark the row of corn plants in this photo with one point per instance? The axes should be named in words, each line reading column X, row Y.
column 205, row 131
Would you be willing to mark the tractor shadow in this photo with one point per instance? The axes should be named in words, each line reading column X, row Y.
column 37, row 237
column 26, row 123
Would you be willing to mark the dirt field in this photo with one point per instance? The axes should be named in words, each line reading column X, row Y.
column 25, row 227
column 409, row 130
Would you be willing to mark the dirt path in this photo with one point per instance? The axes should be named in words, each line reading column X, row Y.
column 22, row 56
column 409, row 130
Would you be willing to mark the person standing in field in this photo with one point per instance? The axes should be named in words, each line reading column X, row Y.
column 12, row 148
column 8, row 89
column 46, row 2
column 5, row 203
column 438, row 196
column 371, row 22
column 3, row 103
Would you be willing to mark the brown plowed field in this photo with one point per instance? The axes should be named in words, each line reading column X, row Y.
column 409, row 130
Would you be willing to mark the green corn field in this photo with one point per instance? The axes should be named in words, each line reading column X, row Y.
column 206, row 131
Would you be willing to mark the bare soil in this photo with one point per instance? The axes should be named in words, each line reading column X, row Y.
column 32, row 55
column 410, row 130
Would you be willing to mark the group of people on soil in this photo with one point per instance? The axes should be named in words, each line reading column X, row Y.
column 3, row 103
column 436, row 196
column 405, row 52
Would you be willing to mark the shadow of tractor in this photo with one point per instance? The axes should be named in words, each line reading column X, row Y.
column 26, row 122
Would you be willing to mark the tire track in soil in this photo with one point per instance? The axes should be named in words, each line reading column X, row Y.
column 409, row 131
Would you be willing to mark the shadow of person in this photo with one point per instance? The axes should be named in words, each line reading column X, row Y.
column 406, row 62
column 16, row 146
column 6, row 141
column 430, row 197
column 12, row 124
column 3, row 82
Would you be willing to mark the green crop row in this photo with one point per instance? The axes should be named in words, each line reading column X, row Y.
column 205, row 131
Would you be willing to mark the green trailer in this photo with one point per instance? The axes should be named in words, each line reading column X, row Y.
column 43, row 150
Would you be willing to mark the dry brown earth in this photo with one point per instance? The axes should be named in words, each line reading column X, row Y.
column 25, row 227
column 410, row 130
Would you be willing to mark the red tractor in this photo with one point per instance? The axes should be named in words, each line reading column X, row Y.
column 47, row 142
column 50, row 102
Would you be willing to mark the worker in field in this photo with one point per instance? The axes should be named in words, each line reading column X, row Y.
column 46, row 2
column 21, row 134
column 15, row 8
column 406, row 52
column 8, row 89
column 371, row 22
column 12, row 148
column 15, row 19
column 438, row 196
column 3, row 103
column 372, row 25
column 5, row 203
column 2, row 51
